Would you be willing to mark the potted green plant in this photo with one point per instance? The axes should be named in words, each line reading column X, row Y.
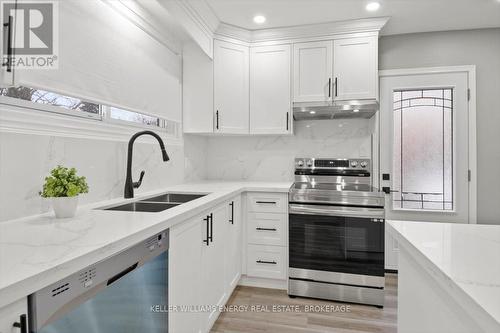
column 63, row 187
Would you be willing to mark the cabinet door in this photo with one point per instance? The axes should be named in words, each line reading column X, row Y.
column 234, row 244
column 213, row 286
column 312, row 71
column 355, row 66
column 270, row 89
column 184, row 275
column 231, row 96
column 11, row 313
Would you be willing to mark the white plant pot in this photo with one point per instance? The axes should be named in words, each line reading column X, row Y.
column 65, row 207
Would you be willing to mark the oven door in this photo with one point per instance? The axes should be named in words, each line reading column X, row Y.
column 345, row 241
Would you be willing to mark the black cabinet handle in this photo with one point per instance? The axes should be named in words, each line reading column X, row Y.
column 206, row 241
column 217, row 119
column 21, row 324
column 266, row 262
column 231, row 220
column 336, row 85
column 287, row 121
column 266, row 229
column 8, row 61
column 211, row 227
column 329, row 87
column 266, row 202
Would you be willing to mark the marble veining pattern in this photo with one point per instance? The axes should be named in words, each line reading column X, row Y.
column 270, row 158
column 466, row 254
column 26, row 160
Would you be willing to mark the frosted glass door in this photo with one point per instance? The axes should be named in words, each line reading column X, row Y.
column 424, row 146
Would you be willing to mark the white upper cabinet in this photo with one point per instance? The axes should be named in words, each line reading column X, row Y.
column 231, row 91
column 355, row 68
column 312, row 71
column 270, row 89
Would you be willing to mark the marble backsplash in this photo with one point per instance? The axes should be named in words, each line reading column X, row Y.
column 26, row 159
column 271, row 158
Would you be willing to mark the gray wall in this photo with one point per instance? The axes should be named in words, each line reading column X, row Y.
column 471, row 47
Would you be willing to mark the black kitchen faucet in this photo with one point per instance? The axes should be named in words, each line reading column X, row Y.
column 129, row 184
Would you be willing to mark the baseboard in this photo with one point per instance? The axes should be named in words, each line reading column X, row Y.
column 249, row 281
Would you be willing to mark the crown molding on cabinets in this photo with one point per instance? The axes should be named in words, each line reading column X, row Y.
column 322, row 31
column 197, row 19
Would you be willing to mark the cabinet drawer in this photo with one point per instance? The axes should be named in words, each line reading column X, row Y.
column 266, row 261
column 260, row 202
column 267, row 228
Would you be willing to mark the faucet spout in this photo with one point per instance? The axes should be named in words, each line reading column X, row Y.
column 129, row 183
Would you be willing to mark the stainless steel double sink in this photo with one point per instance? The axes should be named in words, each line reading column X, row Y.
column 156, row 204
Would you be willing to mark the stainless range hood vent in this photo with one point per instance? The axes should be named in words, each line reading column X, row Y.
column 335, row 110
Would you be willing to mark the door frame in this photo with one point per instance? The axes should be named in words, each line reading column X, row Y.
column 472, row 140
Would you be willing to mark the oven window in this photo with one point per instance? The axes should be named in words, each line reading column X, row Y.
column 336, row 244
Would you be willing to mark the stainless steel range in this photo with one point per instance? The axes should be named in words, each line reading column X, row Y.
column 336, row 232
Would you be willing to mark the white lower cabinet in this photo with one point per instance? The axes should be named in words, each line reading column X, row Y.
column 184, row 276
column 204, row 267
column 11, row 314
column 234, row 244
column 213, row 282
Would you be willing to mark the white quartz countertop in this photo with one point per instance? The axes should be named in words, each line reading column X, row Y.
column 40, row 250
column 463, row 258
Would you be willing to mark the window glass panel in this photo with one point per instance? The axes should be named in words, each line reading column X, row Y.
column 423, row 151
column 50, row 98
column 120, row 114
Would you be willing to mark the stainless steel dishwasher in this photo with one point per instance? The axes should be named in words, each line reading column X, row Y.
column 126, row 293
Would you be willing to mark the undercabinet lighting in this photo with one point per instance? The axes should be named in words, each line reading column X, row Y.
column 312, row 112
column 355, row 110
column 372, row 6
column 259, row 19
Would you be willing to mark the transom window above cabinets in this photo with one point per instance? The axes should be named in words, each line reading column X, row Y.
column 33, row 99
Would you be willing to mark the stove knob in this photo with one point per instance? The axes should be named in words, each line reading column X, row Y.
column 309, row 163
column 363, row 164
column 354, row 164
column 300, row 163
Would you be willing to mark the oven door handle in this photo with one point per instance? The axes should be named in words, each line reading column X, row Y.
column 363, row 212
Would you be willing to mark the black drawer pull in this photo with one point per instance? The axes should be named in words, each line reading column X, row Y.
column 266, row 202
column 21, row 324
column 266, row 229
column 266, row 262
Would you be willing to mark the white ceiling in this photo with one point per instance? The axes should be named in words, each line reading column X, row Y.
column 407, row 16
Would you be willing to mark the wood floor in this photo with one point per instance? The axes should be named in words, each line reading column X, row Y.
column 359, row 318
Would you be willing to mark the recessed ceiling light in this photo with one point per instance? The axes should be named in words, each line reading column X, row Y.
column 312, row 112
column 355, row 110
column 259, row 19
column 372, row 6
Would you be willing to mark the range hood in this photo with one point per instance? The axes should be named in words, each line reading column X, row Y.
column 335, row 110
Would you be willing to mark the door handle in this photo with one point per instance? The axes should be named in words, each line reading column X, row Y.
column 206, row 241
column 231, row 220
column 211, row 216
column 217, row 119
column 8, row 61
column 287, row 121
column 329, row 87
column 21, row 324
column 336, row 85
column 387, row 190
